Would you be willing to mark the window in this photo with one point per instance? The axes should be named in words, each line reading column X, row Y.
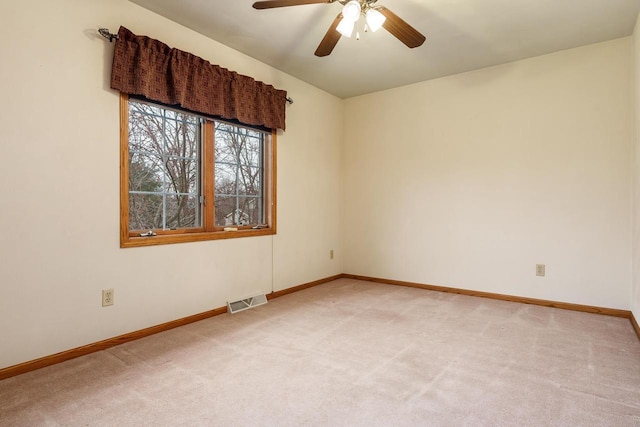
column 186, row 177
column 239, row 173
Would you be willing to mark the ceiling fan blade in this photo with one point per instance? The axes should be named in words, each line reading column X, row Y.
column 400, row 29
column 330, row 38
column 283, row 3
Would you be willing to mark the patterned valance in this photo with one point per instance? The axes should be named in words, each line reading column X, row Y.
column 147, row 67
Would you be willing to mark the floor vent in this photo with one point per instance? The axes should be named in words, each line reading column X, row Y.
column 246, row 303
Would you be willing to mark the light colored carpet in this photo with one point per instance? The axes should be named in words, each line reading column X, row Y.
column 351, row 353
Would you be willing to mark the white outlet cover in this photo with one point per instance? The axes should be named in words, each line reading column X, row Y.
column 107, row 297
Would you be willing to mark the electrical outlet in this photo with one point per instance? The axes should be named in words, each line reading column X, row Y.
column 540, row 269
column 331, row 254
column 107, row 297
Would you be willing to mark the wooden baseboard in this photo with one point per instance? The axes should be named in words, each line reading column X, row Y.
column 287, row 291
column 634, row 322
column 563, row 305
column 63, row 356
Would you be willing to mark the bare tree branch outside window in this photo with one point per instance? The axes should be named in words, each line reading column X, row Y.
column 239, row 175
column 165, row 178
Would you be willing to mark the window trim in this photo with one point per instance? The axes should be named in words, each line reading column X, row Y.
column 208, row 231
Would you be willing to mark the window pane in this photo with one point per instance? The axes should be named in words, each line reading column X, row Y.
column 225, row 144
column 225, row 178
column 182, row 211
column 225, row 209
column 251, row 210
column 239, row 168
column 182, row 176
column 238, row 145
column 231, row 210
column 170, row 114
column 180, row 139
column 145, row 211
column 249, row 182
column 164, row 168
column 145, row 173
column 252, row 153
column 145, row 128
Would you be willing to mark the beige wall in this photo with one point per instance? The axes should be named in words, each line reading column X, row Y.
column 635, row 299
column 60, row 211
column 470, row 180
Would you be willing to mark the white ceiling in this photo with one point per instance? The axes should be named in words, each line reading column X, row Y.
column 462, row 35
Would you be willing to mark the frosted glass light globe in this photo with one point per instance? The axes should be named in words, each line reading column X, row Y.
column 351, row 11
column 375, row 19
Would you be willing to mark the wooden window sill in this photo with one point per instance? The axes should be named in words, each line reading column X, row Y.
column 166, row 239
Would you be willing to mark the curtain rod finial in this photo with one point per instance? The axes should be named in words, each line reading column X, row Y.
column 104, row 32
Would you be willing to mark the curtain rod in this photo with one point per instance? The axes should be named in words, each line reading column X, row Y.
column 104, row 32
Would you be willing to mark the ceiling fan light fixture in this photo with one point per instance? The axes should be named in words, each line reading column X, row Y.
column 351, row 11
column 346, row 22
column 345, row 27
column 374, row 19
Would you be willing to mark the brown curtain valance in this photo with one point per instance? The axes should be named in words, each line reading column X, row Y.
column 147, row 67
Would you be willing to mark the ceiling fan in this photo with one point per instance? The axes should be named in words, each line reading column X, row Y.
column 352, row 10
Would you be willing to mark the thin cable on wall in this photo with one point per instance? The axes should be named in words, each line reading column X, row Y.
column 104, row 32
